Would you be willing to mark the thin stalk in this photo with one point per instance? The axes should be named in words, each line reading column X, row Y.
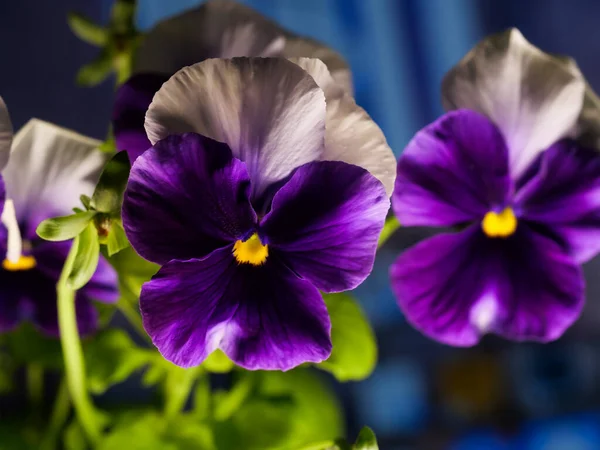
column 60, row 414
column 35, row 386
column 73, row 354
column 178, row 387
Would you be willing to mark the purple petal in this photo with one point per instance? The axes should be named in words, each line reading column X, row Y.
column 564, row 196
column 186, row 197
column 453, row 171
column 129, row 112
column 262, row 317
column 325, row 223
column 455, row 287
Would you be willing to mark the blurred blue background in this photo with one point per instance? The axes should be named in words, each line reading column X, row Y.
column 423, row 395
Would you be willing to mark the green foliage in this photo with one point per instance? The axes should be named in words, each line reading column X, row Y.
column 86, row 258
column 96, row 71
column 66, row 227
column 28, row 346
column 116, row 239
column 354, row 353
column 366, row 440
column 218, row 362
column 111, row 357
column 74, row 437
column 108, row 195
column 14, row 436
column 86, row 30
column 277, row 411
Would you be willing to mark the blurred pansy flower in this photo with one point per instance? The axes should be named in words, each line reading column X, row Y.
column 216, row 29
column 49, row 168
column 7, row 217
column 505, row 167
column 252, row 206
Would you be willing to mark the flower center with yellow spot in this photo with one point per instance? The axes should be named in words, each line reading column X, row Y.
column 501, row 224
column 251, row 251
column 24, row 263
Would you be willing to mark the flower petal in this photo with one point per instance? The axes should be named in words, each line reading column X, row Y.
column 325, row 223
column 129, row 112
column 262, row 317
column 216, row 29
column 50, row 168
column 534, row 98
column 455, row 287
column 6, row 134
column 351, row 135
column 564, row 195
column 186, row 197
column 270, row 112
column 453, row 171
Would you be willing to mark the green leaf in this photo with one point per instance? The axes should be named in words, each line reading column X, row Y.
column 108, row 195
column 86, row 259
column 65, row 227
column 15, row 436
column 116, row 239
column 97, row 71
column 74, row 437
column 366, row 440
column 86, row 30
column 111, row 357
column 218, row 362
column 354, row 353
column 137, row 433
column 123, row 15
column 285, row 411
column 227, row 403
column 28, row 346
column 85, row 201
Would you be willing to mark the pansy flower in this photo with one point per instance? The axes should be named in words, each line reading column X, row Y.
column 506, row 169
column 216, row 29
column 49, row 168
column 257, row 194
column 6, row 216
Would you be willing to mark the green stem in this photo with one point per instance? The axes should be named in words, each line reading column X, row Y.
column 60, row 413
column 35, row 386
column 73, row 354
column 319, row 446
column 133, row 317
column 390, row 227
column 179, row 384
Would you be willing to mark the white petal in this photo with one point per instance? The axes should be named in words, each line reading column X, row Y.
column 351, row 135
column 534, row 98
column 49, row 169
column 14, row 246
column 6, row 134
column 270, row 112
column 303, row 47
column 216, row 29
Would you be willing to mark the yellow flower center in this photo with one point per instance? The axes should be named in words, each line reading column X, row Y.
column 251, row 251
column 24, row 263
column 501, row 224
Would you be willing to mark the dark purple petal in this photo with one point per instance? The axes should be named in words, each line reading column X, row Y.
column 453, row 171
column 564, row 196
column 186, row 197
column 129, row 112
column 262, row 317
column 325, row 223
column 455, row 287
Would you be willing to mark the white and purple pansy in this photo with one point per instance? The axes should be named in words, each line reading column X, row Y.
column 215, row 29
column 507, row 168
column 265, row 184
column 6, row 212
column 49, row 168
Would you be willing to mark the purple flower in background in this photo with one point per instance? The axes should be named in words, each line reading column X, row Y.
column 525, row 194
column 49, row 168
column 216, row 29
column 252, row 205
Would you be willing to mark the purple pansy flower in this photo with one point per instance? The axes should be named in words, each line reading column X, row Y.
column 507, row 170
column 216, row 29
column 49, row 168
column 6, row 134
column 249, row 204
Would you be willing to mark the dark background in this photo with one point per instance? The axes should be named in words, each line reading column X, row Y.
column 496, row 396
